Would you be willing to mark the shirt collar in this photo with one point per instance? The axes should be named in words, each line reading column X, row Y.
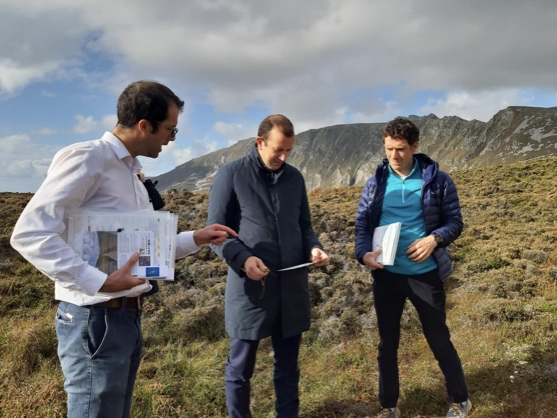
column 271, row 175
column 414, row 168
column 121, row 151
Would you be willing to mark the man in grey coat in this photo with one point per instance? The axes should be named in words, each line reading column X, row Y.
column 264, row 200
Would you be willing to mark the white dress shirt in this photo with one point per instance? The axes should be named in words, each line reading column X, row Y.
column 97, row 175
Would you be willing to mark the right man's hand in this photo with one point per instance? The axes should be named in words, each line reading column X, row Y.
column 370, row 259
column 255, row 268
column 122, row 279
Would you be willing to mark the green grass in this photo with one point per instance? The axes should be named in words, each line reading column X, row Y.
column 501, row 306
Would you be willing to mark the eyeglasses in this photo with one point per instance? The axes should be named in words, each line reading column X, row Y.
column 173, row 130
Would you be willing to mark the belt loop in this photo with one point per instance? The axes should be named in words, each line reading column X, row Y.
column 140, row 303
column 124, row 304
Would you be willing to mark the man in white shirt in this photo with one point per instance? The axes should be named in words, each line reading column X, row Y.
column 99, row 334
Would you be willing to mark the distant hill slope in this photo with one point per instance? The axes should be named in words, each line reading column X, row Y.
column 345, row 155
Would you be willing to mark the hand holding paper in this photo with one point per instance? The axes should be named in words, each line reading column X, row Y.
column 122, row 279
column 386, row 238
column 319, row 257
column 108, row 241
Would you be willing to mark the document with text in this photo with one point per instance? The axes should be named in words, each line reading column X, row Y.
column 107, row 240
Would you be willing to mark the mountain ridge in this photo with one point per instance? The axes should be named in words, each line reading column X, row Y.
column 347, row 154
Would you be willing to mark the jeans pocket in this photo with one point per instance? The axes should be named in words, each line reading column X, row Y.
column 97, row 331
column 64, row 318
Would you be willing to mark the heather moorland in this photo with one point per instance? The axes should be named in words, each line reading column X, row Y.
column 501, row 303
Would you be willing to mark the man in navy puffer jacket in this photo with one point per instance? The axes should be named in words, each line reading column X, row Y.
column 409, row 188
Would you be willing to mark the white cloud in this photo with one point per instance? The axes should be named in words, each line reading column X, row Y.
column 45, row 132
column 197, row 149
column 14, row 76
column 14, row 143
column 322, row 51
column 373, row 114
column 182, row 155
column 38, row 41
column 86, row 124
column 234, row 132
column 174, row 155
column 475, row 106
column 47, row 93
column 108, row 122
column 24, row 162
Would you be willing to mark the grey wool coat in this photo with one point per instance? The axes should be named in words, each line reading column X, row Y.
column 270, row 212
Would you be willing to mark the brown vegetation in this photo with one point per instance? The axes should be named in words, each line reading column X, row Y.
column 502, row 309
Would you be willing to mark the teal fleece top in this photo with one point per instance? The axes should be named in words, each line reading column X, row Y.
column 403, row 203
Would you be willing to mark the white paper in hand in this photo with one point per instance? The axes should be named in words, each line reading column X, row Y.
column 386, row 238
column 299, row 266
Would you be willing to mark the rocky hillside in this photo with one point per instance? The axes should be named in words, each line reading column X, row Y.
column 346, row 155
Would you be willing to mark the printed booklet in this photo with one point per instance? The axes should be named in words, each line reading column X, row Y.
column 386, row 237
column 108, row 240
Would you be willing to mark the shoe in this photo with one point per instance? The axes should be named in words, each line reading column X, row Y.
column 461, row 410
column 389, row 413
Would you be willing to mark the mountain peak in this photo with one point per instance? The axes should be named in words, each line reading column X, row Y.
column 344, row 155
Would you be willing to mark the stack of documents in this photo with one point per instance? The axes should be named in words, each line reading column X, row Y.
column 386, row 238
column 107, row 240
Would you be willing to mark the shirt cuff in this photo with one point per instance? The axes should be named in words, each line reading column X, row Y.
column 91, row 280
column 185, row 244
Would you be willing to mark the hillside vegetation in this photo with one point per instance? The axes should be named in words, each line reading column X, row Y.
column 501, row 302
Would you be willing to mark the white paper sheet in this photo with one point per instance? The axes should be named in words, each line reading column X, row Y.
column 299, row 266
column 107, row 240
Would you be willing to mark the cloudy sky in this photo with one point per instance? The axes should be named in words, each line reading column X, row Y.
column 63, row 64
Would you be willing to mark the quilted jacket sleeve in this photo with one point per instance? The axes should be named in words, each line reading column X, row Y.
column 363, row 226
column 443, row 215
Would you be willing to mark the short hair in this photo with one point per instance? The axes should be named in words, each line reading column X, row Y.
column 282, row 123
column 147, row 100
column 402, row 128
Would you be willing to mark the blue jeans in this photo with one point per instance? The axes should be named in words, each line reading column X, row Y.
column 427, row 293
column 239, row 370
column 100, row 351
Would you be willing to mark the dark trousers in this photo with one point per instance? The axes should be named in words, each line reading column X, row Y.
column 426, row 292
column 239, row 370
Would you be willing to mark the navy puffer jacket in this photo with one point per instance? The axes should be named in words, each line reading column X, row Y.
column 440, row 206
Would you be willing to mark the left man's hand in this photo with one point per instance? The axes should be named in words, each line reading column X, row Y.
column 421, row 249
column 213, row 234
column 319, row 257
column 122, row 278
